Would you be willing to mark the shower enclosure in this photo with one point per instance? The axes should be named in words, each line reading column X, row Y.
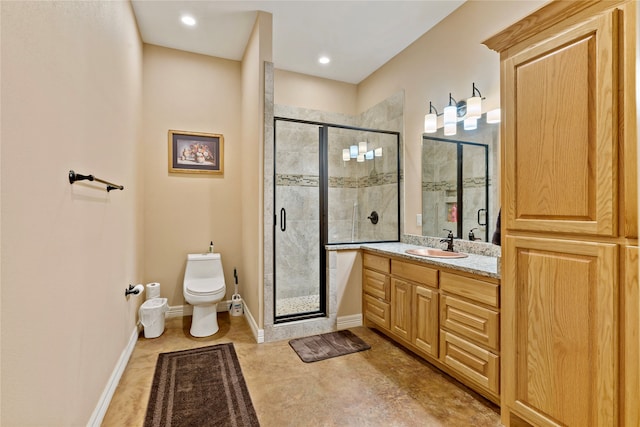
column 333, row 185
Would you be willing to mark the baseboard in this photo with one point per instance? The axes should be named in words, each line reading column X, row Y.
column 351, row 321
column 105, row 399
column 258, row 333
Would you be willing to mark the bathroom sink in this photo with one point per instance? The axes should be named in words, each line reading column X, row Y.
column 435, row 253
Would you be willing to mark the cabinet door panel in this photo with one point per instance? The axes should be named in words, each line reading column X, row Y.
column 560, row 141
column 425, row 330
column 474, row 289
column 377, row 311
column 475, row 363
column 471, row 321
column 630, row 377
column 376, row 284
column 376, row 262
column 401, row 308
column 415, row 273
column 559, row 322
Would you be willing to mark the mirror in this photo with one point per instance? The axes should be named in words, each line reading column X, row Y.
column 459, row 191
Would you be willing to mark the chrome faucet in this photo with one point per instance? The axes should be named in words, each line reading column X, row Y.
column 448, row 241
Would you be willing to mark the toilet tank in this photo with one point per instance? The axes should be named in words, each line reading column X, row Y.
column 201, row 266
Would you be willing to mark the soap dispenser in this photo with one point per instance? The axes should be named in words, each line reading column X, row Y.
column 211, row 247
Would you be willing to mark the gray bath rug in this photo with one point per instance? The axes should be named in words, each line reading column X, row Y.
column 325, row 346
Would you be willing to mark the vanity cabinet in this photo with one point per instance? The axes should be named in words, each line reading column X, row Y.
column 450, row 318
column 569, row 215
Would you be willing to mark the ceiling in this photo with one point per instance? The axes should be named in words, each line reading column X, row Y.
column 358, row 36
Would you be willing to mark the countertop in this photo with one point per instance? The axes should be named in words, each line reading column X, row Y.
column 482, row 265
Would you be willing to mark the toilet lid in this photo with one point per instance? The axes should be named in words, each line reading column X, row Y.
column 205, row 286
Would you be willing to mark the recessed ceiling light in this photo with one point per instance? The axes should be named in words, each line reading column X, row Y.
column 324, row 60
column 188, row 20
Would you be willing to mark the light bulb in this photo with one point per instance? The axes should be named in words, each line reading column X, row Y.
column 474, row 107
column 430, row 123
column 362, row 147
column 353, row 151
column 450, row 129
column 346, row 155
column 493, row 116
column 470, row 123
column 450, row 114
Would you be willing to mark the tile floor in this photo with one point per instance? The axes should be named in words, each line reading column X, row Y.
column 384, row 386
column 297, row 305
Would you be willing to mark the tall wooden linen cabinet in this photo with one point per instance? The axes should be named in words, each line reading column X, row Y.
column 570, row 353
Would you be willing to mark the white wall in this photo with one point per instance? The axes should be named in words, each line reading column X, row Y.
column 71, row 99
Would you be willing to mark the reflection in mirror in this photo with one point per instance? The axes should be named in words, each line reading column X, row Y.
column 458, row 189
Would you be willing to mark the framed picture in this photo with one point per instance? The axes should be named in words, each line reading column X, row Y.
column 196, row 152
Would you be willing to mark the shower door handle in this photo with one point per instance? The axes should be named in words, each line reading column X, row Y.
column 480, row 215
column 283, row 219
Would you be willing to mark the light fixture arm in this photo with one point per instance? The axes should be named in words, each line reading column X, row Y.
column 432, row 108
column 451, row 98
column 475, row 90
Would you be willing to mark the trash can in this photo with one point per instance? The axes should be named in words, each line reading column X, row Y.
column 152, row 313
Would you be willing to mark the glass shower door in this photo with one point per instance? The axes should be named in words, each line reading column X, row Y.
column 298, row 261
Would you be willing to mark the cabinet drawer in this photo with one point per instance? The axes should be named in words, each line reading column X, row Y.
column 414, row 272
column 477, row 290
column 470, row 321
column 475, row 363
column 376, row 284
column 375, row 262
column 377, row 311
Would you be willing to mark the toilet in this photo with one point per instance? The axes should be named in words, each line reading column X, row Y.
column 204, row 288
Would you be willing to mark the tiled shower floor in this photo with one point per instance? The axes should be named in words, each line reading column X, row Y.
column 295, row 305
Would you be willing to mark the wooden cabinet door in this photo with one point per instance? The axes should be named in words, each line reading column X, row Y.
column 630, row 375
column 559, row 147
column 559, row 331
column 473, row 362
column 425, row 327
column 401, row 308
column 376, row 284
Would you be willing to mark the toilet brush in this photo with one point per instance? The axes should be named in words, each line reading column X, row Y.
column 236, row 301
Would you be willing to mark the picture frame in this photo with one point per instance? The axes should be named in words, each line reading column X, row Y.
column 196, row 152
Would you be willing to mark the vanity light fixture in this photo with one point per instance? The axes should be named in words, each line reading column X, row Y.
column 431, row 120
column 474, row 104
column 346, row 156
column 493, row 116
column 188, row 20
column 450, row 116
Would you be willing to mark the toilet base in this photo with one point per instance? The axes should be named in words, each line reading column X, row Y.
column 205, row 320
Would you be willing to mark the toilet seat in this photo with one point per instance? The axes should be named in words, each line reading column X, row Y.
column 204, row 287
